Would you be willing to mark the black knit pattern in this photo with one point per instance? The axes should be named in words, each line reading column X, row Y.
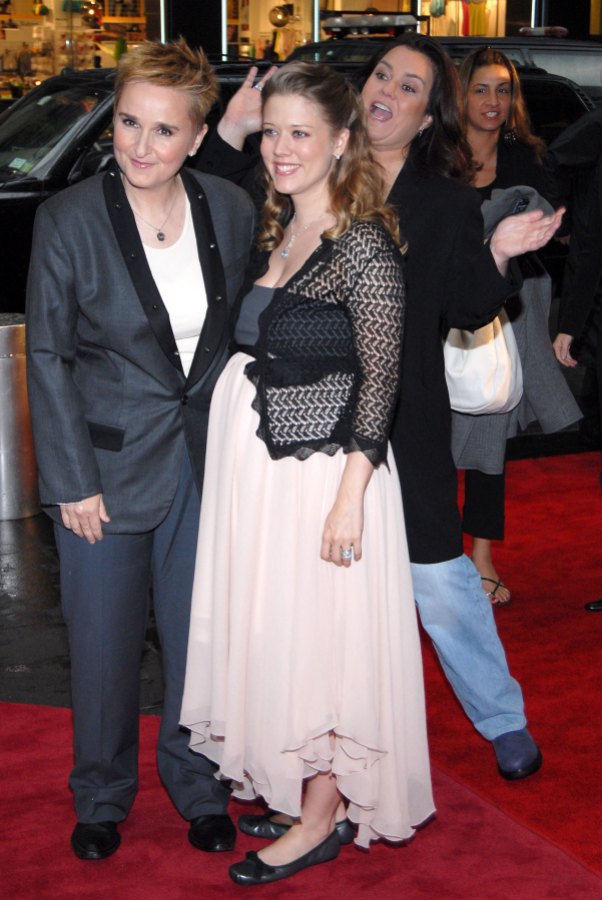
column 328, row 355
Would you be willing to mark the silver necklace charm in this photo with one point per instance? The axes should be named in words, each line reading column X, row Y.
column 293, row 237
column 160, row 233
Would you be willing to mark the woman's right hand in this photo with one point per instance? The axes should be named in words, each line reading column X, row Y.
column 85, row 518
column 562, row 349
column 523, row 233
column 243, row 113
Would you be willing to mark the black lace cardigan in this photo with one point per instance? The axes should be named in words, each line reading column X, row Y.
column 327, row 360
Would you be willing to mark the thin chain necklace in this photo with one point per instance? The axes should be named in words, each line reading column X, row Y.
column 160, row 233
column 293, row 237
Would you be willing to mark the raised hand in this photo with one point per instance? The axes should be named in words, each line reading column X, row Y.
column 243, row 113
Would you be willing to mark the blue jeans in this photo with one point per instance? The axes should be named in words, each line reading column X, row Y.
column 458, row 617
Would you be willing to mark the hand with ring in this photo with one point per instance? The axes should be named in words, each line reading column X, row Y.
column 243, row 113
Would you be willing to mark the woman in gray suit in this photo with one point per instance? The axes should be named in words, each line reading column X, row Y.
column 133, row 275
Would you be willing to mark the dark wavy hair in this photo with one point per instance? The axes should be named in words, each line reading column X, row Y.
column 356, row 184
column 518, row 123
column 442, row 147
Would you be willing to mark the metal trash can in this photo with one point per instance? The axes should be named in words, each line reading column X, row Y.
column 18, row 472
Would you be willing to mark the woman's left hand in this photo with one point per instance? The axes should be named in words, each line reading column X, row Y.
column 562, row 349
column 342, row 535
column 523, row 233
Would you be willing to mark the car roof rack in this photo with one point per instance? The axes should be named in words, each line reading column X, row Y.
column 351, row 24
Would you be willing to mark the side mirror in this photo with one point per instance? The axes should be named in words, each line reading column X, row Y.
column 91, row 162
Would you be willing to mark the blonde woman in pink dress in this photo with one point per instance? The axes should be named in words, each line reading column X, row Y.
column 304, row 677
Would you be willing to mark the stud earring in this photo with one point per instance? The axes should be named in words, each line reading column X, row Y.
column 337, row 156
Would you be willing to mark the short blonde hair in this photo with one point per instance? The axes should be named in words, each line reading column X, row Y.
column 175, row 65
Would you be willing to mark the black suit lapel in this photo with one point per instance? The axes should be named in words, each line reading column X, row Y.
column 128, row 239
column 214, row 334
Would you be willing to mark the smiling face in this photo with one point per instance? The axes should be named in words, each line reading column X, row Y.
column 396, row 97
column 298, row 147
column 153, row 134
column 488, row 98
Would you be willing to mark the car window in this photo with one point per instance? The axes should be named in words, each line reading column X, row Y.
column 34, row 128
column 582, row 67
column 552, row 106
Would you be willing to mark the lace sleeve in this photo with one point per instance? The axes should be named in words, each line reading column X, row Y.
column 376, row 306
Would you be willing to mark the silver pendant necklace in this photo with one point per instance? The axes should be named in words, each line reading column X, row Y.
column 160, row 233
column 293, row 237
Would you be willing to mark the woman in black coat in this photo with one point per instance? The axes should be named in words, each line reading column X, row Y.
column 453, row 279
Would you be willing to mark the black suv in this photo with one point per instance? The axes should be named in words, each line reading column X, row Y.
column 61, row 132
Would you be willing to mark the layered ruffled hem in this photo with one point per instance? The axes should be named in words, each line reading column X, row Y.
column 296, row 666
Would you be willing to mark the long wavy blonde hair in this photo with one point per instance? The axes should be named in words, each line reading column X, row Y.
column 356, row 184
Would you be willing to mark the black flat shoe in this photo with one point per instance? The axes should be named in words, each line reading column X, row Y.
column 95, row 840
column 264, row 827
column 253, row 870
column 594, row 606
column 214, row 834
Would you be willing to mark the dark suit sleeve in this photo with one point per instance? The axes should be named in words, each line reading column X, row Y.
column 65, row 456
column 584, row 263
column 243, row 168
column 578, row 147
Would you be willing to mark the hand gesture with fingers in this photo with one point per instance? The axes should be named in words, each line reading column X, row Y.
column 243, row 113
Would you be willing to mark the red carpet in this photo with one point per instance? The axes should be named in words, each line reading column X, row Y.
column 552, row 561
column 471, row 850
column 491, row 840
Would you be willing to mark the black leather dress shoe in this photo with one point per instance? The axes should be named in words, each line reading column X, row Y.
column 594, row 606
column 95, row 840
column 264, row 827
column 212, row 833
column 253, row 870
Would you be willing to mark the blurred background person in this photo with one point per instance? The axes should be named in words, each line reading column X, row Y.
column 506, row 153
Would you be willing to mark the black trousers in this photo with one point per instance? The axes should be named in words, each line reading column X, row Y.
column 484, row 498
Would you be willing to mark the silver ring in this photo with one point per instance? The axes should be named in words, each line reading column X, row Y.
column 347, row 554
column 258, row 87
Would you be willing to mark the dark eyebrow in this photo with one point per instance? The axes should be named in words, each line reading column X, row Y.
column 127, row 115
column 404, row 74
column 498, row 83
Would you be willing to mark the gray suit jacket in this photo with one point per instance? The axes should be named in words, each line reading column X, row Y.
column 112, row 410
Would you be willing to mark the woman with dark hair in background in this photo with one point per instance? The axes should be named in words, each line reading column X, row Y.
column 506, row 154
column 410, row 102
column 303, row 598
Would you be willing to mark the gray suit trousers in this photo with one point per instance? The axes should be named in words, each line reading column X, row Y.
column 105, row 594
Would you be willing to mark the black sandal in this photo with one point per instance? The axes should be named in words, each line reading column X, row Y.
column 495, row 600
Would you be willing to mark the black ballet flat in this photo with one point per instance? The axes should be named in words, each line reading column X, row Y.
column 263, row 826
column 253, row 870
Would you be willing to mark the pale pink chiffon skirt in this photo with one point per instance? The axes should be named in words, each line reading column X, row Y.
column 296, row 666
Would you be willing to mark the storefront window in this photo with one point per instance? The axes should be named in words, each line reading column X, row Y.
column 40, row 39
column 263, row 29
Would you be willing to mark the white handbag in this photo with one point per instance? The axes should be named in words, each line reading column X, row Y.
column 483, row 368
